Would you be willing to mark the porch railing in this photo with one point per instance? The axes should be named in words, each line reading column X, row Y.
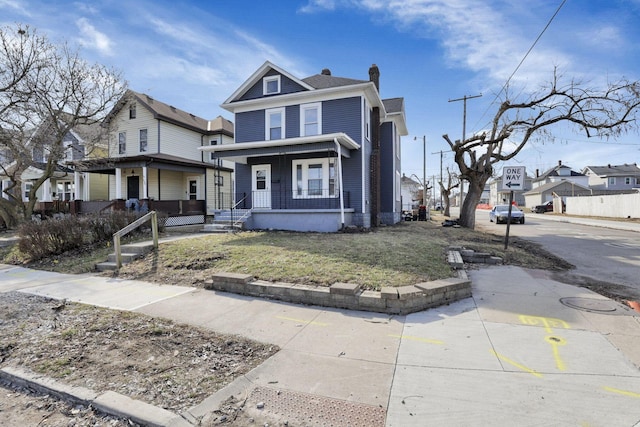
column 298, row 199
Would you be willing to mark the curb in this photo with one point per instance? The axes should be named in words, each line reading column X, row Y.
column 110, row 402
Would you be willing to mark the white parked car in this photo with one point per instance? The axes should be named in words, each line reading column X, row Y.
column 500, row 214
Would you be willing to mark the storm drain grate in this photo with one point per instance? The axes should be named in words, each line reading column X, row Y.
column 601, row 306
column 312, row 410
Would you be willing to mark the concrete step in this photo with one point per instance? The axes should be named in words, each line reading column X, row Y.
column 217, row 227
column 106, row 266
column 124, row 256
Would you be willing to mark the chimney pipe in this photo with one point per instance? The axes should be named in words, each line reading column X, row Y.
column 374, row 76
column 559, row 162
column 326, row 72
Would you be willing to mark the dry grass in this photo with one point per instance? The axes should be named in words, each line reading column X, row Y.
column 403, row 254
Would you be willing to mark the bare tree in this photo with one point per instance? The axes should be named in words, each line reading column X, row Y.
column 602, row 113
column 46, row 90
column 452, row 182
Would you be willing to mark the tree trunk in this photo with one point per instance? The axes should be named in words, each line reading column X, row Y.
column 468, row 208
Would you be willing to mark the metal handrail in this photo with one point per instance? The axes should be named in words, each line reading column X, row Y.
column 135, row 224
column 234, row 207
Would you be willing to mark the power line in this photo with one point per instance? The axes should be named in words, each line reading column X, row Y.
column 524, row 57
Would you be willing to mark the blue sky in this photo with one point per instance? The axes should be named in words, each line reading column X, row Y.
column 194, row 54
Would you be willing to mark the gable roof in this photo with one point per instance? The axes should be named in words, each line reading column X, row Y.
column 614, row 170
column 324, row 81
column 169, row 113
column 554, row 172
column 551, row 185
column 395, row 112
column 258, row 75
column 320, row 84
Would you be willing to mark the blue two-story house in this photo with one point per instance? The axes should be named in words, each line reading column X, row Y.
column 315, row 154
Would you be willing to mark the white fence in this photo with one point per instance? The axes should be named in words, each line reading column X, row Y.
column 614, row 206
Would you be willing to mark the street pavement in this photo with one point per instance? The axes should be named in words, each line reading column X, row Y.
column 524, row 350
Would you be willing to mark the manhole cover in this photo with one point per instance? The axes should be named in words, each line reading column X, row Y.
column 595, row 305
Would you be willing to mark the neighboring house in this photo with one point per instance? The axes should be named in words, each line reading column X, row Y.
column 153, row 161
column 500, row 196
column 613, row 177
column 559, row 173
column 39, row 148
column 315, row 154
column 411, row 193
column 545, row 193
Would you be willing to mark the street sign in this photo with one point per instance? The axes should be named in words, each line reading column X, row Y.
column 513, row 178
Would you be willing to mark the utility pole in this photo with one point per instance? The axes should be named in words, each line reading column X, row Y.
column 464, row 130
column 440, row 188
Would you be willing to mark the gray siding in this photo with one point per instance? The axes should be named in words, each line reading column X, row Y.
column 292, row 121
column 286, row 86
column 250, row 126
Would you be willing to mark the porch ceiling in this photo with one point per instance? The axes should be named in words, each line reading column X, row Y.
column 240, row 152
column 153, row 161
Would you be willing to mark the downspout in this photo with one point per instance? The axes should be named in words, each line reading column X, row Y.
column 339, row 151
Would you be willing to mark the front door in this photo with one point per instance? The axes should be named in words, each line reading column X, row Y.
column 193, row 188
column 133, row 187
column 261, row 186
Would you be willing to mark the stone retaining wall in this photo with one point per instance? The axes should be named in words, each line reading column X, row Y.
column 392, row 300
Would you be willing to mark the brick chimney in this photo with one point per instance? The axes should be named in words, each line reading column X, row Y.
column 374, row 76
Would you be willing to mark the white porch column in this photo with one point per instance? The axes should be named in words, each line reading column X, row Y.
column 2, row 187
column 339, row 150
column 76, row 186
column 46, row 191
column 145, row 173
column 118, row 183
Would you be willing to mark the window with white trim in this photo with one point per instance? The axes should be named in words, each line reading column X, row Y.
column 214, row 141
column 27, row 189
column 627, row 180
column 637, row 181
column 122, row 143
column 274, row 124
column 132, row 111
column 367, row 119
column 271, row 85
column 612, row 180
column 311, row 119
column 143, row 140
column 315, row 178
column 64, row 190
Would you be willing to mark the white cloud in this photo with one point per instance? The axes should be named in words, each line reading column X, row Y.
column 318, row 5
column 93, row 38
column 15, row 5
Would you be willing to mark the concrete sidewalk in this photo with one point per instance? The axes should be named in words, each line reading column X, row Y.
column 603, row 223
column 523, row 351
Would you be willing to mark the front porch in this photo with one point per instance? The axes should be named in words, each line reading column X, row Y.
column 173, row 212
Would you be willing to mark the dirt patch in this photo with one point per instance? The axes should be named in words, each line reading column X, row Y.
column 169, row 365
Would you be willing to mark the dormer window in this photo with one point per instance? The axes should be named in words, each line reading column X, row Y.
column 271, row 85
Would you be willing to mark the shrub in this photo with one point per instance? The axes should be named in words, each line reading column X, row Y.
column 56, row 236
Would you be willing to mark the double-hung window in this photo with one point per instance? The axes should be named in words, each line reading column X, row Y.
column 367, row 119
column 612, row 180
column 132, row 111
column 315, row 178
column 310, row 119
column 143, row 140
column 274, row 124
column 122, row 143
column 271, row 85
column 212, row 154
